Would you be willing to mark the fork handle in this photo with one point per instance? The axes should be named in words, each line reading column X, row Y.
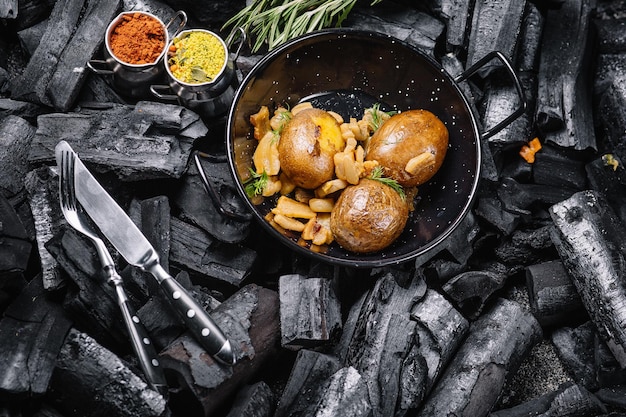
column 143, row 347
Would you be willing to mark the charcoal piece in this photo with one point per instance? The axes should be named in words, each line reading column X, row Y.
column 491, row 210
column 74, row 32
column 590, row 241
column 249, row 319
column 197, row 206
column 564, row 99
column 195, row 250
column 611, row 35
column 495, row 27
column 552, row 295
column 344, row 394
column 90, row 380
column 441, row 270
column 568, row 400
column 614, row 396
column 609, row 372
column 471, row 290
column 518, row 197
column 310, row 313
column 611, row 114
column 407, row 24
column 16, row 248
column 456, row 15
column 559, row 168
column 25, row 110
column 91, row 300
column 439, row 332
column 255, row 400
column 15, row 136
column 146, row 141
column 29, row 12
column 493, row 350
column 575, row 347
column 607, row 176
column 501, row 100
column 310, row 371
column 43, row 200
column 32, row 332
column 382, row 353
column 152, row 216
column 527, row 246
column 529, row 43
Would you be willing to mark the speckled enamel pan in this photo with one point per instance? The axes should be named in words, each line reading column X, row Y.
column 347, row 71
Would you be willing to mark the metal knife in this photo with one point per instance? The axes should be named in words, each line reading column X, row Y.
column 126, row 237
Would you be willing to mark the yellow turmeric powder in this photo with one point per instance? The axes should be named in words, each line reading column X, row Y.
column 138, row 39
column 196, row 57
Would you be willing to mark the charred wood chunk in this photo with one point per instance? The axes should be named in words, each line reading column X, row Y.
column 523, row 198
column 25, row 110
column 575, row 347
column 91, row 300
column 439, row 332
column 611, row 35
column 74, row 33
column 614, row 396
column 495, row 27
column 32, row 332
column 501, row 99
column 553, row 297
column 195, row 250
column 590, row 241
column 253, row 401
column 16, row 247
column 140, row 142
column 382, row 353
column 471, row 290
column 491, row 210
column 456, row 14
column 527, row 247
column 42, row 187
column 569, row 399
column 344, row 394
column 493, row 350
column 563, row 111
column 612, row 114
column 305, row 385
column 529, row 44
column 199, row 207
column 560, row 167
column 90, row 380
column 15, row 137
column 607, row 176
column 249, row 319
column 310, row 313
column 609, row 372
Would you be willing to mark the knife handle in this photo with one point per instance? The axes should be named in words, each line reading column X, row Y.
column 198, row 321
column 143, row 347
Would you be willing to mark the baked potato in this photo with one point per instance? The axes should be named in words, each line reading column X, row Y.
column 368, row 216
column 411, row 146
column 308, row 143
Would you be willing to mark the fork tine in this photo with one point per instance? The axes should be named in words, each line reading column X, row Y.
column 71, row 188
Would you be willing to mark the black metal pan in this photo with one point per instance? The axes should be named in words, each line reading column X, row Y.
column 347, row 71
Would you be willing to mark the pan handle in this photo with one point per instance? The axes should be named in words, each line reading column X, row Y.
column 507, row 65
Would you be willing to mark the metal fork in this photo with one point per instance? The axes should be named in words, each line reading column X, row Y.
column 72, row 212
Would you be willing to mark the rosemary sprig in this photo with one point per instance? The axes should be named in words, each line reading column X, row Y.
column 377, row 175
column 274, row 22
column 256, row 184
column 377, row 113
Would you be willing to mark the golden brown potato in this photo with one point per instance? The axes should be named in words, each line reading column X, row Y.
column 308, row 143
column 410, row 146
column 368, row 216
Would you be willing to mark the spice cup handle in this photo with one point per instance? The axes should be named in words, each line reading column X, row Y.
column 241, row 38
column 183, row 21
column 94, row 63
column 156, row 91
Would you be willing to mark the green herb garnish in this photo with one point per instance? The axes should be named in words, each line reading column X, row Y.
column 377, row 175
column 274, row 22
column 377, row 119
column 256, row 184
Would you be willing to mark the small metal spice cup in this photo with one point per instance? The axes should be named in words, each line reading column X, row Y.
column 211, row 98
column 128, row 79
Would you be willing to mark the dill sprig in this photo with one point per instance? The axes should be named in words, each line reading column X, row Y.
column 377, row 175
column 256, row 184
column 274, row 22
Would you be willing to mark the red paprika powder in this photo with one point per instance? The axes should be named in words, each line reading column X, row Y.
column 137, row 39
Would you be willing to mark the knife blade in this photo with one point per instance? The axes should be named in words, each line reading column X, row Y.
column 126, row 237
